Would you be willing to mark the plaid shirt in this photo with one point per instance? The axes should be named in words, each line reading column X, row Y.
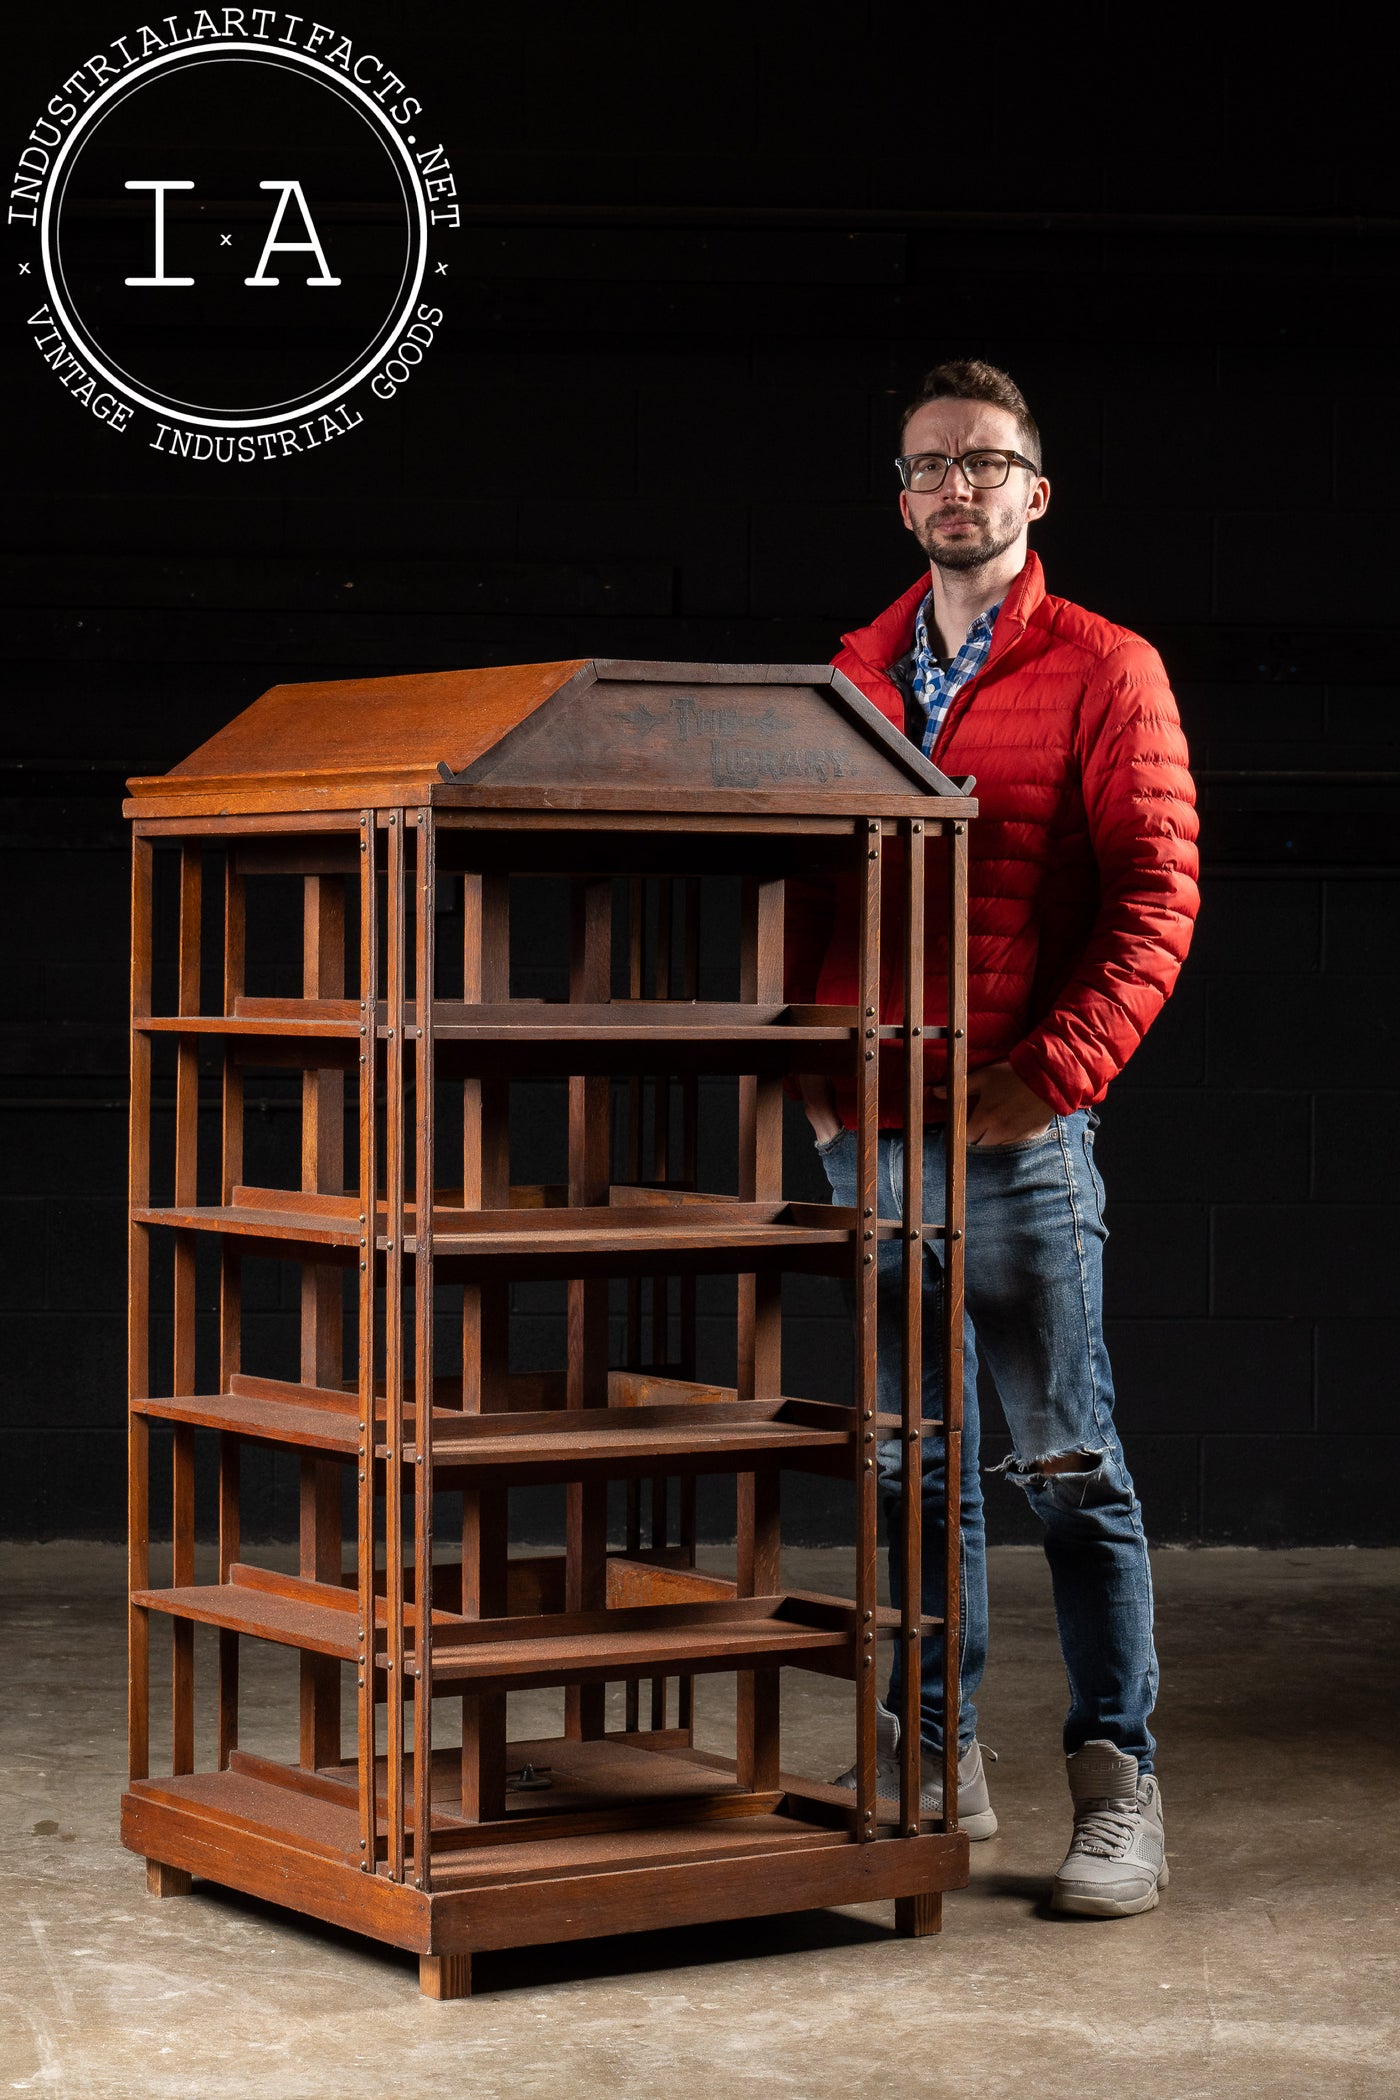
column 935, row 684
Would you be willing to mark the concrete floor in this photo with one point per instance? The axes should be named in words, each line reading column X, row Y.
column 1269, row 1969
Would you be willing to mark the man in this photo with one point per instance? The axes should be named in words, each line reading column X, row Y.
column 1082, row 897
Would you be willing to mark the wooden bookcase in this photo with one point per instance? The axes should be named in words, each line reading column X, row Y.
column 368, row 806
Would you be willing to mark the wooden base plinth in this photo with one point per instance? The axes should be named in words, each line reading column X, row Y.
column 162, row 1880
column 658, row 1836
column 445, row 1975
column 915, row 1916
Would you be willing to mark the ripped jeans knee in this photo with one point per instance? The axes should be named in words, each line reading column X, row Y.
column 1068, row 1480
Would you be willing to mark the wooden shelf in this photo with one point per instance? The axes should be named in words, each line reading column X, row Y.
column 677, row 1823
column 286, row 1609
column 538, row 1035
column 516, row 1447
column 620, row 1442
column 695, row 1233
column 630, row 1640
column 739, row 1633
column 269, row 1410
column 612, row 1802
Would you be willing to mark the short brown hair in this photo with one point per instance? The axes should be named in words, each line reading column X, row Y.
column 973, row 379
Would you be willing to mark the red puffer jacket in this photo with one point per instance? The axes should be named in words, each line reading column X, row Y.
column 1083, row 858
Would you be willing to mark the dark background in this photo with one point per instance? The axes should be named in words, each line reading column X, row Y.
column 704, row 261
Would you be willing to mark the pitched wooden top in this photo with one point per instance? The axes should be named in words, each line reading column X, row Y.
column 581, row 734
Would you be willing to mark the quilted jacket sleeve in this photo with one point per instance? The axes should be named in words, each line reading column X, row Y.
column 1140, row 808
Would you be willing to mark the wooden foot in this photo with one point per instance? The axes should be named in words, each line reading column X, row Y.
column 167, row 1881
column 445, row 1975
column 914, row 1916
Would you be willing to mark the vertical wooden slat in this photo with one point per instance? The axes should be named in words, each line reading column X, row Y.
column 586, row 1546
column 909, row 1545
column 138, row 1335
column 954, row 1212
column 485, row 1184
column 186, row 1187
column 230, row 1302
column 369, row 1201
column 424, row 1066
column 394, row 1163
column 867, row 1193
column 690, row 1131
column 485, row 1137
column 759, row 1371
column 322, row 1337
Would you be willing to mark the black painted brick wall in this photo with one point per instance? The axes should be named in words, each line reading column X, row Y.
column 645, row 434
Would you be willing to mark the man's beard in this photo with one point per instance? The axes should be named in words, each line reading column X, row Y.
column 991, row 540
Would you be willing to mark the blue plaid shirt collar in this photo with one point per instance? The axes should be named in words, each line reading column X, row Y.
column 935, row 684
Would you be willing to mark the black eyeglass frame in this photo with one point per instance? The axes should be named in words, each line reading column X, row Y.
column 905, row 462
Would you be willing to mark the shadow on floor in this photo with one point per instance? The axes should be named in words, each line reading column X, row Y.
column 800, row 1933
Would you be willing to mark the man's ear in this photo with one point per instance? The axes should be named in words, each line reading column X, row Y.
column 1040, row 500
column 904, row 509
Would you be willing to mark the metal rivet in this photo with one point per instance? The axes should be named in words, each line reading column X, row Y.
column 869, row 1011
column 873, row 825
column 393, row 816
column 870, row 1615
column 389, row 1665
column 957, row 1035
column 869, row 1235
column 917, row 1031
column 918, row 827
column 868, row 1259
column 912, row 1437
column 915, row 1233
column 870, row 1031
column 869, row 1661
column 873, row 854
column 868, row 1211
column 959, row 829
column 870, row 1465
column 869, row 1438
column 870, row 1057
column 360, row 1681
column 419, row 1460
column 363, row 1266
column 956, row 1233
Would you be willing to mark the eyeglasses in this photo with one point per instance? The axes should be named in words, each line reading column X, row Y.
column 923, row 472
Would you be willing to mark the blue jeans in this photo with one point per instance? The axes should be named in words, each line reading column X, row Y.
column 1034, row 1313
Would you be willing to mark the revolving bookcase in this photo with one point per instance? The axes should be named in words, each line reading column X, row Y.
column 376, row 817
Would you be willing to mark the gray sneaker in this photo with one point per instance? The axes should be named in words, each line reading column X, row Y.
column 975, row 1812
column 1117, row 1857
